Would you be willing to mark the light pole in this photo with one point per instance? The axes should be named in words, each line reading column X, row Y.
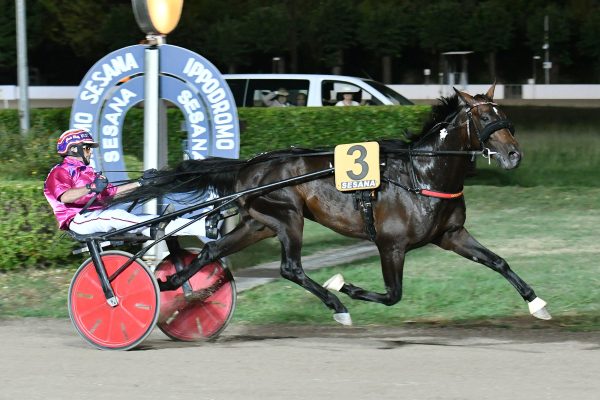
column 427, row 74
column 546, row 47
column 22, row 69
column 275, row 67
column 156, row 18
column 534, row 68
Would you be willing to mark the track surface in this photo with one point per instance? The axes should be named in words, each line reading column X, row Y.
column 46, row 359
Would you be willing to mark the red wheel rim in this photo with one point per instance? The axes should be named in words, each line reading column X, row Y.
column 121, row 327
column 206, row 313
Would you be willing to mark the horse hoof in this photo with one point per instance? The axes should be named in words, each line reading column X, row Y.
column 335, row 283
column 542, row 314
column 343, row 318
column 537, row 308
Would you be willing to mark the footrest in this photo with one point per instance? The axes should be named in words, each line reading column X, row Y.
column 125, row 237
column 116, row 240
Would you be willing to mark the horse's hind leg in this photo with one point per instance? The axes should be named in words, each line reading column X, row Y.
column 248, row 232
column 462, row 243
column 392, row 267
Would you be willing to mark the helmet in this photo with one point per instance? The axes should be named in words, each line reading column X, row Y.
column 74, row 137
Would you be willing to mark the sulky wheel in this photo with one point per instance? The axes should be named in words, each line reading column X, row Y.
column 114, row 328
column 203, row 306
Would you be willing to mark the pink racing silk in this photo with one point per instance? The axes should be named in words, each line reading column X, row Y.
column 72, row 173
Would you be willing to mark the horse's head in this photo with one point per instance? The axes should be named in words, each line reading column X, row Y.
column 494, row 131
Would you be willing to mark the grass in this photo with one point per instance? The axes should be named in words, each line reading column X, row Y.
column 551, row 157
column 35, row 293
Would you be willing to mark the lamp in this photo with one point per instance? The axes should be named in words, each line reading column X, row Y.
column 157, row 17
column 535, row 58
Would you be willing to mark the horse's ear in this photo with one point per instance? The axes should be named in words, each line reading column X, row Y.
column 490, row 92
column 466, row 97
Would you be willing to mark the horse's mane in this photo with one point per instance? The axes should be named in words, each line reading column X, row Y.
column 444, row 110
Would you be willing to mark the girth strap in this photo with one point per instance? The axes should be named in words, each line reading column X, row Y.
column 363, row 201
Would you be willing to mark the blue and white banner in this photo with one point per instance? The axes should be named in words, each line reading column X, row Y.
column 189, row 81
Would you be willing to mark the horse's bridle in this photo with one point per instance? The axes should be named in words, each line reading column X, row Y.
column 482, row 134
column 489, row 129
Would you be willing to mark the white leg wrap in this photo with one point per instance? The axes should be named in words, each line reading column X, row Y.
column 537, row 308
column 343, row 318
column 334, row 283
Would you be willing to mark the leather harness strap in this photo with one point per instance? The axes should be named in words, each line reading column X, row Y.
column 363, row 201
column 440, row 195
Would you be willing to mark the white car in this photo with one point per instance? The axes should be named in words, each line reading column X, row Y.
column 250, row 90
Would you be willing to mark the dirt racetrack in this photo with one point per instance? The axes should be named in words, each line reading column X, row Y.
column 46, row 359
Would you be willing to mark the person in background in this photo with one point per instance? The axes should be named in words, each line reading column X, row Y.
column 347, row 92
column 278, row 98
column 301, row 99
column 79, row 195
column 347, row 100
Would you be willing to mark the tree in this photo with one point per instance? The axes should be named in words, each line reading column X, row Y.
column 442, row 27
column 212, row 28
column 226, row 44
column 8, row 36
column 491, row 30
column 589, row 42
column 385, row 29
column 560, row 35
column 35, row 20
column 332, row 31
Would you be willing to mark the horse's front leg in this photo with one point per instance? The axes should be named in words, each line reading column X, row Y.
column 461, row 242
column 392, row 267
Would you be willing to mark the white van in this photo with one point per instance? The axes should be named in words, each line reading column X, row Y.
column 249, row 90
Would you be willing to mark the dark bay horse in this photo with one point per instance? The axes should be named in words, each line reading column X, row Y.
column 419, row 202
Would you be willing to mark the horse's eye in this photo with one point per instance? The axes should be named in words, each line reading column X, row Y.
column 485, row 118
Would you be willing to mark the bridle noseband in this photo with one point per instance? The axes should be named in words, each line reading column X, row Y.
column 489, row 129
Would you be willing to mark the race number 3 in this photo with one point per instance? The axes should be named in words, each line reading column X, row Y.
column 357, row 166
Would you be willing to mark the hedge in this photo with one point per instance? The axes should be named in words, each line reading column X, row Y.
column 275, row 128
column 29, row 232
column 263, row 129
column 27, row 226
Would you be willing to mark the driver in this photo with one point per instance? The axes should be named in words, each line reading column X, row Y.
column 79, row 195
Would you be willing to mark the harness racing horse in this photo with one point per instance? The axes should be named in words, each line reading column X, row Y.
column 419, row 202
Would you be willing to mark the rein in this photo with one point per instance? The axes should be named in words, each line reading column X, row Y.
column 482, row 134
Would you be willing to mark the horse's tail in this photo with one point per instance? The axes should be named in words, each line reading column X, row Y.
column 193, row 177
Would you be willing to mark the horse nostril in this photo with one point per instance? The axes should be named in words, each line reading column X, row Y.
column 514, row 156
